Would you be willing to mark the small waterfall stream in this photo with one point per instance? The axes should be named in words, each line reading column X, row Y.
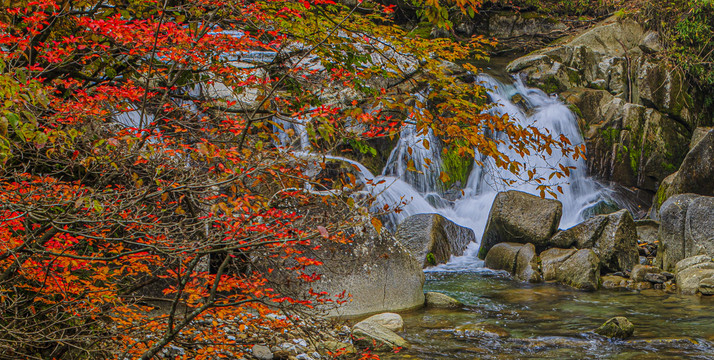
column 411, row 189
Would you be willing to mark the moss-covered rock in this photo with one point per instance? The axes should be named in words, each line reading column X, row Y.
column 618, row 327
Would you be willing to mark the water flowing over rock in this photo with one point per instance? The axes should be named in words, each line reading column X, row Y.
column 433, row 239
column 636, row 111
column 520, row 217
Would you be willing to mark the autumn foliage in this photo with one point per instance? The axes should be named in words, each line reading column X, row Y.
column 148, row 183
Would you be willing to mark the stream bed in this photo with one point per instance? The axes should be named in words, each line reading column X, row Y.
column 506, row 319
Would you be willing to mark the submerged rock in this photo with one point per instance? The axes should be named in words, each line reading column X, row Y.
column 520, row 218
column 441, row 301
column 618, row 327
column 425, row 234
column 481, row 330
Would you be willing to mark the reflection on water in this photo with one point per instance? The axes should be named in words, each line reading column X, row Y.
column 504, row 319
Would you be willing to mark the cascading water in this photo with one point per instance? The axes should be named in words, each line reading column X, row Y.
column 398, row 186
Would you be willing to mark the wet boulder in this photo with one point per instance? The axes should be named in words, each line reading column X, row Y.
column 551, row 260
column 618, row 328
column 617, row 245
column 581, row 270
column 520, row 218
column 612, row 237
column 432, row 239
column 583, row 235
column 519, row 260
column 690, row 272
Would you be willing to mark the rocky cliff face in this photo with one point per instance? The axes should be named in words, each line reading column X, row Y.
column 637, row 114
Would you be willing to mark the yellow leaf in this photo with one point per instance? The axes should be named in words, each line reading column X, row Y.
column 377, row 224
column 426, row 144
column 444, row 177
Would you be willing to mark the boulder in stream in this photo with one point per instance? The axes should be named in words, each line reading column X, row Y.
column 618, row 328
column 691, row 272
column 441, row 301
column 581, row 270
column 519, row 260
column 425, row 234
column 687, row 228
column 613, row 238
column 523, row 218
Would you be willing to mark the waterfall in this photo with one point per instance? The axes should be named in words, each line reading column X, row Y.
column 528, row 106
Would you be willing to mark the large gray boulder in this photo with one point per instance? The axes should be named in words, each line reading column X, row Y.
column 617, row 245
column 581, row 270
column 521, row 218
column 583, row 235
column 691, row 272
column 687, row 228
column 519, row 260
column 551, row 260
column 375, row 270
column 695, row 174
column 425, row 234
column 613, row 238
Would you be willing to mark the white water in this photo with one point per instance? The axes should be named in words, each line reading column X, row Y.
column 408, row 189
